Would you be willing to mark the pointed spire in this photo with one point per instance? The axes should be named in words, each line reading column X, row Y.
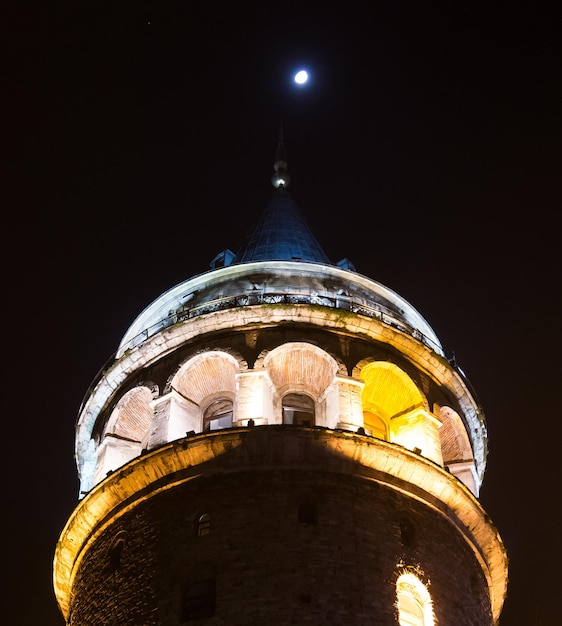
column 280, row 176
column 282, row 232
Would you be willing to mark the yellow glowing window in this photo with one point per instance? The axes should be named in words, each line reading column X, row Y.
column 413, row 602
column 410, row 610
column 376, row 425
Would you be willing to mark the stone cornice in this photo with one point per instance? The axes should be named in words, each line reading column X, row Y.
column 289, row 447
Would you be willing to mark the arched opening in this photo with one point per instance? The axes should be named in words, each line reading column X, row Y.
column 456, row 448
column 395, row 409
column 298, row 409
column 304, row 377
column 218, row 415
column 126, row 431
column 116, row 551
column 204, row 525
column 388, row 393
column 410, row 610
column 203, row 391
column 375, row 425
column 413, row 601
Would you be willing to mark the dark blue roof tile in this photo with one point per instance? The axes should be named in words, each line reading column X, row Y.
column 282, row 234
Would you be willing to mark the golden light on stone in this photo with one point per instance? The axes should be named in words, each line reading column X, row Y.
column 261, row 375
column 370, row 459
column 414, row 602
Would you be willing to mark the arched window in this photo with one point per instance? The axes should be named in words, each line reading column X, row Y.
column 116, row 551
column 413, row 602
column 204, row 525
column 218, row 415
column 126, row 432
column 376, row 425
column 199, row 600
column 410, row 611
column 298, row 409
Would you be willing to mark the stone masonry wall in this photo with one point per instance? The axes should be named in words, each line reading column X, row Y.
column 272, row 569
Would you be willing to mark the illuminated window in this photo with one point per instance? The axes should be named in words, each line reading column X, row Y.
column 410, row 610
column 298, row 409
column 204, row 525
column 218, row 415
column 413, row 602
column 376, row 425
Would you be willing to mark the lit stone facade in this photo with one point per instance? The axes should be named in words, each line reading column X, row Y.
column 280, row 441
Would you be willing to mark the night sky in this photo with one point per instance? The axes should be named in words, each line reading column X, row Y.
column 139, row 140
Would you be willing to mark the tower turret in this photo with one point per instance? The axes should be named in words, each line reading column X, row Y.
column 280, row 440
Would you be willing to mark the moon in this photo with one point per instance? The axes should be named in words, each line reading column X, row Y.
column 301, row 77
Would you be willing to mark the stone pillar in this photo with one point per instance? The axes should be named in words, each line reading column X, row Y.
column 350, row 406
column 253, row 399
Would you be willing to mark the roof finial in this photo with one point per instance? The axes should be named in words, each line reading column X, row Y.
column 281, row 176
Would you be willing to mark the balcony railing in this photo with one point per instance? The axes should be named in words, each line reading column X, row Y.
column 256, row 298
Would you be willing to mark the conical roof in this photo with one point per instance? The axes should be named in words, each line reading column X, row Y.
column 282, row 233
column 271, row 262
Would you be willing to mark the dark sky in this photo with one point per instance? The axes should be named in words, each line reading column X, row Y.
column 139, row 140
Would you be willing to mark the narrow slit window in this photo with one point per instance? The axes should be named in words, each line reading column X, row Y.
column 116, row 551
column 204, row 525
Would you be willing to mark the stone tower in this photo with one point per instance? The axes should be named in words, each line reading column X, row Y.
column 280, row 440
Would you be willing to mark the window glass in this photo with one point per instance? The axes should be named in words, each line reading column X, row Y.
column 204, row 525
column 218, row 415
column 413, row 602
column 410, row 610
column 298, row 409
